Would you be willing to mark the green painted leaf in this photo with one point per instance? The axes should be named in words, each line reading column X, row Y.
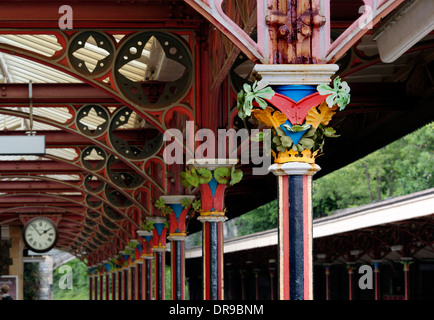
column 324, row 89
column 258, row 137
column 148, row 226
column 330, row 132
column 306, row 143
column 204, row 175
column 222, row 175
column 280, row 132
column 247, row 88
column 236, row 176
column 196, row 205
column 160, row 204
column 183, row 179
column 185, row 202
column 261, row 102
column 338, row 95
column 257, row 92
column 310, row 133
column 266, row 93
column 277, row 140
column 297, row 127
column 286, row 141
column 192, row 177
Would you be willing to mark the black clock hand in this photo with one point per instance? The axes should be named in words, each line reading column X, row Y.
column 46, row 231
column 36, row 229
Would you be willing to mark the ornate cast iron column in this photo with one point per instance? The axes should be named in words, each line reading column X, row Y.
column 147, row 255
column 120, row 285
column 92, row 285
column 327, row 276
column 298, row 113
column 159, row 249
column 101, row 281
column 212, row 217
column 377, row 278
column 125, row 274
column 107, row 278
column 406, row 267
column 96, row 283
column 139, row 271
column 139, row 279
column 177, row 236
column 350, row 268
column 114, row 285
column 133, row 282
column 134, row 255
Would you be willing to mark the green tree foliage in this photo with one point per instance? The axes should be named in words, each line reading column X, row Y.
column 402, row 167
column 259, row 219
column 80, row 280
column 31, row 281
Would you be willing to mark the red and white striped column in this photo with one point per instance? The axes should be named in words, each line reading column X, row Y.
column 159, row 249
column 146, row 240
column 295, row 229
column 177, row 236
column 406, row 267
column 350, row 268
column 376, row 279
column 327, row 278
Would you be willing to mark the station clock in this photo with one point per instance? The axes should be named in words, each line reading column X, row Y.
column 40, row 234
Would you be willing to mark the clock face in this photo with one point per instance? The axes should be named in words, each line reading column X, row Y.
column 40, row 234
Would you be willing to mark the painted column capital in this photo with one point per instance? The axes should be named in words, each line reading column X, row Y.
column 178, row 216
column 212, row 193
column 176, row 199
column 376, row 264
column 211, row 164
column 294, row 168
column 406, row 261
column 159, row 232
column 212, row 218
column 146, row 239
column 301, row 74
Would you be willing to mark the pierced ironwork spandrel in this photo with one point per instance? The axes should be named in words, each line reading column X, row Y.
column 118, row 174
column 166, row 69
column 92, row 120
column 144, row 143
column 91, row 53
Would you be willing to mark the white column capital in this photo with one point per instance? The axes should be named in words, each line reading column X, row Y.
column 176, row 199
column 301, row 74
column 294, row 168
column 212, row 218
column 175, row 237
column 211, row 164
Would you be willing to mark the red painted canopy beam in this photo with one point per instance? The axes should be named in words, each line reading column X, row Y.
column 27, row 199
column 48, row 209
column 65, row 139
column 35, row 166
column 38, row 186
column 86, row 14
column 53, row 93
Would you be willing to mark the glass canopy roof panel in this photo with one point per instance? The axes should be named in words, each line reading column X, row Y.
column 43, row 44
column 15, row 69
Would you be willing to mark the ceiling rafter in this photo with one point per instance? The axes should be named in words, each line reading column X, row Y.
column 97, row 142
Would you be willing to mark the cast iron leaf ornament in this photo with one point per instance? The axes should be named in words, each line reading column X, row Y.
column 132, row 244
column 338, row 95
column 258, row 92
column 148, row 226
column 161, row 205
column 192, row 206
column 223, row 175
